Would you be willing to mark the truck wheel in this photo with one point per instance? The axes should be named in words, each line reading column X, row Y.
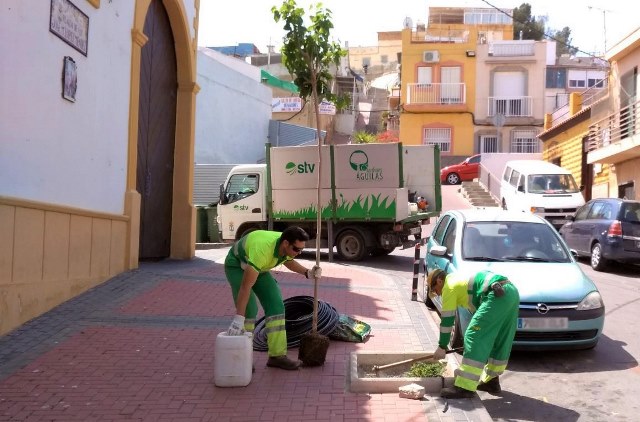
column 382, row 251
column 244, row 231
column 350, row 246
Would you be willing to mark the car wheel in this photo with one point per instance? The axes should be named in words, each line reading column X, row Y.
column 457, row 336
column 350, row 246
column 453, row 178
column 598, row 262
column 427, row 298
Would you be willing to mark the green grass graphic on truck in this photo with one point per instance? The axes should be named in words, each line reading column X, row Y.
column 367, row 207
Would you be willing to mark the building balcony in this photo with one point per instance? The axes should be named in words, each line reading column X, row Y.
column 616, row 138
column 436, row 94
column 510, row 106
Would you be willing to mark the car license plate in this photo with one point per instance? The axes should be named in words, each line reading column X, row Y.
column 415, row 230
column 537, row 323
column 558, row 221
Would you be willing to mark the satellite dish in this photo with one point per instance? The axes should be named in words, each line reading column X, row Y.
column 407, row 23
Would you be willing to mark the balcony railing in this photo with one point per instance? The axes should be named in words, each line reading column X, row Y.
column 510, row 106
column 615, row 127
column 438, row 93
column 511, row 48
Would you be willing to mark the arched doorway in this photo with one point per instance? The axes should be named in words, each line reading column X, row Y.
column 156, row 134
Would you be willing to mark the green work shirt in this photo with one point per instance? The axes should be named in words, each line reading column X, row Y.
column 258, row 249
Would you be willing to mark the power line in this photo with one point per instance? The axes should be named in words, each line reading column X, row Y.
column 546, row 35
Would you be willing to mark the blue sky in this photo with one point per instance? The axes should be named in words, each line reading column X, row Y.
column 358, row 21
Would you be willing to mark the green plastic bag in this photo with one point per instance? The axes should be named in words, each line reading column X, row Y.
column 350, row 329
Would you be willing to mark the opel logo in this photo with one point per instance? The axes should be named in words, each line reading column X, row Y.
column 542, row 308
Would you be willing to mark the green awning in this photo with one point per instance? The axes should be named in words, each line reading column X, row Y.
column 269, row 79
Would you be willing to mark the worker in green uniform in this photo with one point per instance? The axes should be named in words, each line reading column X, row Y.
column 493, row 300
column 247, row 268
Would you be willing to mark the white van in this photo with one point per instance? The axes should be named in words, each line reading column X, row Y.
column 541, row 188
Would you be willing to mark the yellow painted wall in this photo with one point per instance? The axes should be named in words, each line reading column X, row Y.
column 458, row 117
column 568, row 146
column 50, row 254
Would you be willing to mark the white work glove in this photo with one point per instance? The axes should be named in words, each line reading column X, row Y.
column 237, row 326
column 315, row 272
column 440, row 353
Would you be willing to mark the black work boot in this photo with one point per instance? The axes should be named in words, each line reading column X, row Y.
column 492, row 386
column 283, row 362
column 456, row 392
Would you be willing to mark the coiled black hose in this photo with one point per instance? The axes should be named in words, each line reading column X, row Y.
column 298, row 311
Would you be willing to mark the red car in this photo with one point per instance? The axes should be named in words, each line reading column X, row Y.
column 461, row 172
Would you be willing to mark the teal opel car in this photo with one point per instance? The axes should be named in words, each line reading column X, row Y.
column 560, row 307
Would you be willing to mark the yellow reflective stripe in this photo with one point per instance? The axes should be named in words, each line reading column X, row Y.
column 467, row 384
column 491, row 374
column 274, row 324
column 445, row 314
column 495, row 362
column 277, row 343
column 472, row 363
column 249, row 324
column 470, row 305
column 445, row 330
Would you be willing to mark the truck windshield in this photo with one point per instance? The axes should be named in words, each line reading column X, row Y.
column 240, row 186
column 551, row 183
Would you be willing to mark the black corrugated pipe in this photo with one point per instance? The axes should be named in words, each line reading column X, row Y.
column 298, row 312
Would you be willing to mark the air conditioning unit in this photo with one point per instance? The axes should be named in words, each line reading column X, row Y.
column 431, row 56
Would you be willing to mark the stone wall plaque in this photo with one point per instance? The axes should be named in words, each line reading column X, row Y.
column 70, row 24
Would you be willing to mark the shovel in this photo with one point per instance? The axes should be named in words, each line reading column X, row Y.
column 418, row 359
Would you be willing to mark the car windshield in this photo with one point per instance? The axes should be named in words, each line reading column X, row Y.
column 551, row 183
column 512, row 241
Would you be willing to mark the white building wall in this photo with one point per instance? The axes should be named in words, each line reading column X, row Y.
column 53, row 150
column 233, row 109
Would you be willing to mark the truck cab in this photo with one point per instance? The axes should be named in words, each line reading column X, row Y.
column 243, row 202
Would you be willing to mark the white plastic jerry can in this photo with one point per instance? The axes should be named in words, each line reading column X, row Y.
column 233, row 360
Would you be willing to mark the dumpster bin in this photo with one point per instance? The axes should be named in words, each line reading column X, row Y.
column 212, row 214
column 202, row 235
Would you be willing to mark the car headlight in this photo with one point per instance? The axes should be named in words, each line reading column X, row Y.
column 592, row 301
column 537, row 209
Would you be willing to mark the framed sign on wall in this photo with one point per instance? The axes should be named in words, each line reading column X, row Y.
column 69, row 79
column 70, row 24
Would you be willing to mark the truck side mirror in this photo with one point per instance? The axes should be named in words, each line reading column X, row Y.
column 223, row 199
column 520, row 188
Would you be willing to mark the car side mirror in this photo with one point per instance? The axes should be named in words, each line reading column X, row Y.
column 574, row 253
column 520, row 188
column 223, row 199
column 438, row 250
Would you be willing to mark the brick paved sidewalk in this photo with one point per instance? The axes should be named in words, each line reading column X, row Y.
column 140, row 347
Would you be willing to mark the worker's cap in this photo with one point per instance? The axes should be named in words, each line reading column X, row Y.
column 433, row 276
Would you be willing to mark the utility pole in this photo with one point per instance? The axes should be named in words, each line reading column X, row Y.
column 604, row 23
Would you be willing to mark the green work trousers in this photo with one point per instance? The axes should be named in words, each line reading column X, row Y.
column 267, row 291
column 488, row 339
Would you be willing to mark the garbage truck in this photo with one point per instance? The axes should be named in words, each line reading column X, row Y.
column 374, row 197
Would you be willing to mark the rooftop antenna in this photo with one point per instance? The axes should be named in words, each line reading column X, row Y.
column 604, row 22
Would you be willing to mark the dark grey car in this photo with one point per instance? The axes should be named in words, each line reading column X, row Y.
column 605, row 229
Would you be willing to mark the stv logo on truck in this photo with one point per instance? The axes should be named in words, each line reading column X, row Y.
column 292, row 168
